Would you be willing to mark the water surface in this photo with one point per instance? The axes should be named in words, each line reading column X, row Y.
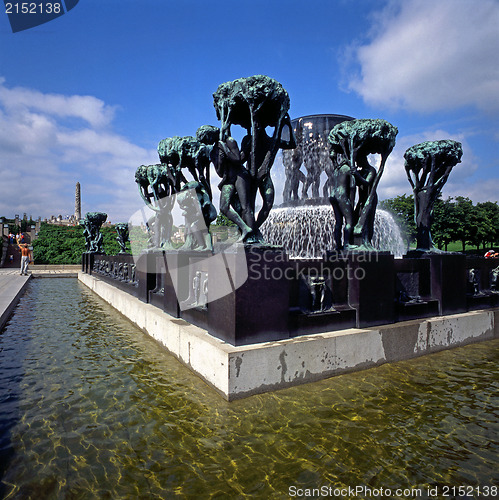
column 90, row 407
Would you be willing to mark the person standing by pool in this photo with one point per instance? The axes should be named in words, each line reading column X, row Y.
column 25, row 258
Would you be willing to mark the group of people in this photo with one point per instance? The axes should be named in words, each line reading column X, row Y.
column 491, row 254
column 13, row 238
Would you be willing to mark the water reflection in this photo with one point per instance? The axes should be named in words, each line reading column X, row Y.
column 93, row 408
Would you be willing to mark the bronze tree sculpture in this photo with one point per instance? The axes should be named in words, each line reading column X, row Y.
column 353, row 179
column 428, row 166
column 255, row 103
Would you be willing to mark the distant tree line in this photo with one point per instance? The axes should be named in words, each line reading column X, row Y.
column 454, row 220
column 65, row 244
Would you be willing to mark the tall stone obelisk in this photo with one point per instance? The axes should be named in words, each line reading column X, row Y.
column 77, row 203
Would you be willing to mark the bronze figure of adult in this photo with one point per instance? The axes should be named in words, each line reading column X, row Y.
column 254, row 103
column 365, row 176
column 342, row 200
column 199, row 213
column 354, row 140
column 292, row 161
column 157, row 187
column 264, row 149
column 313, row 167
column 234, row 186
column 235, row 181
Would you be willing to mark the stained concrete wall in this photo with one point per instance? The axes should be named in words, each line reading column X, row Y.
column 238, row 372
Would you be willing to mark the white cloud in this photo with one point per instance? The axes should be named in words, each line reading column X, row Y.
column 428, row 55
column 41, row 157
column 478, row 191
column 88, row 108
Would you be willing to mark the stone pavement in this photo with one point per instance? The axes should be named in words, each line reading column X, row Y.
column 12, row 286
column 42, row 271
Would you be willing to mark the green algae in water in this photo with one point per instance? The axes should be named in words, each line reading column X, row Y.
column 93, row 408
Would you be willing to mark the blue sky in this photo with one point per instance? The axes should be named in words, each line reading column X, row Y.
column 88, row 96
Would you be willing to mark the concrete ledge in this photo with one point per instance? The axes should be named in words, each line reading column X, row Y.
column 237, row 372
column 55, row 267
column 54, row 274
column 11, row 289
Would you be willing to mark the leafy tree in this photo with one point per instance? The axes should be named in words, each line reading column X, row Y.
column 222, row 220
column 58, row 244
column 454, row 219
column 445, row 222
column 487, row 219
column 466, row 228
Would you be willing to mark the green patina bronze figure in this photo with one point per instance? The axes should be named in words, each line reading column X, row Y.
column 428, row 166
column 157, row 186
column 93, row 237
column 199, row 213
column 292, row 160
column 354, row 181
column 235, row 184
column 86, row 233
column 122, row 236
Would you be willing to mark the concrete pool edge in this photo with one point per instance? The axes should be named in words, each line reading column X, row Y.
column 238, row 372
column 11, row 290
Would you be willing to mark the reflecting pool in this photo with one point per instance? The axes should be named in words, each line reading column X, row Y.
column 90, row 407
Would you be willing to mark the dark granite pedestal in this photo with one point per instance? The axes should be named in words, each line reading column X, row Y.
column 87, row 262
column 166, row 279
column 447, row 279
column 146, row 274
column 481, row 291
column 413, row 290
column 319, row 296
column 257, row 310
column 371, row 286
column 194, row 275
